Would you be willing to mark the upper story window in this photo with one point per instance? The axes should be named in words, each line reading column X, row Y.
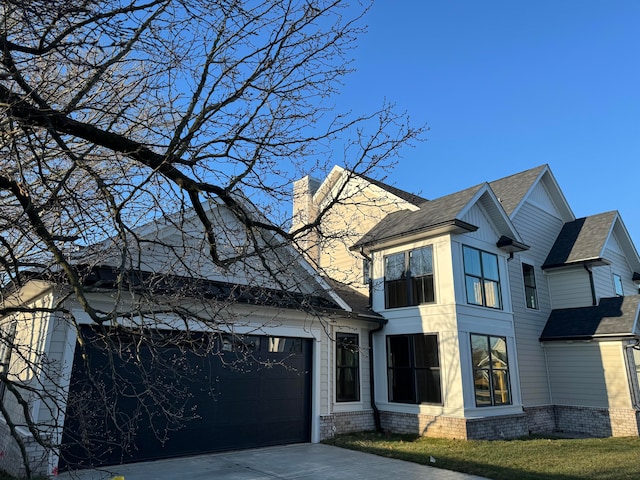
column 408, row 278
column 617, row 285
column 366, row 271
column 482, row 278
column 530, row 292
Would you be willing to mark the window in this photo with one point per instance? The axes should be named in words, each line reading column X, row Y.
column 6, row 347
column 481, row 277
column 490, row 370
column 530, row 293
column 366, row 271
column 408, row 278
column 347, row 366
column 413, row 369
column 617, row 285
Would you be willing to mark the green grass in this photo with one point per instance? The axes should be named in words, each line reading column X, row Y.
column 522, row 459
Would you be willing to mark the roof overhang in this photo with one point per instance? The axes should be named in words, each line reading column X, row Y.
column 452, row 227
column 510, row 245
column 589, row 262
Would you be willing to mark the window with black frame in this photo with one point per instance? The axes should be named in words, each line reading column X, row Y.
column 530, row 291
column 413, row 369
column 490, row 370
column 347, row 368
column 482, row 277
column 408, row 278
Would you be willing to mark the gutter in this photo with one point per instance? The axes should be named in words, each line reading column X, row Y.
column 593, row 288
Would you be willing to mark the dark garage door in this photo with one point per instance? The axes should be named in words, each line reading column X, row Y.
column 131, row 399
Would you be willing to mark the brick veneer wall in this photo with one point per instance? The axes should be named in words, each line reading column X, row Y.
column 345, row 422
column 11, row 457
column 541, row 419
column 597, row 422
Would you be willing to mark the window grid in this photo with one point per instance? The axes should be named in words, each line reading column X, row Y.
column 490, row 370
column 413, row 369
column 408, row 278
column 482, row 278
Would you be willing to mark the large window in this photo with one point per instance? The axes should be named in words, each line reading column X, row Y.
column 347, row 365
column 413, row 369
column 490, row 370
column 530, row 292
column 408, row 278
column 482, row 279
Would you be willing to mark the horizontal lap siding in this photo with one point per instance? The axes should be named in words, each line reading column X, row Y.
column 539, row 230
column 588, row 374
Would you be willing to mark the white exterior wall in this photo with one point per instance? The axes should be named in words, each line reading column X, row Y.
column 590, row 374
column 539, row 228
column 569, row 287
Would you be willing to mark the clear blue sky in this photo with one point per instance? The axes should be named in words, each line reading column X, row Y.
column 508, row 85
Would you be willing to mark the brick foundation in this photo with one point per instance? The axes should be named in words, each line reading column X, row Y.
column 488, row 428
column 345, row 422
column 11, row 458
column 541, row 420
column 597, row 422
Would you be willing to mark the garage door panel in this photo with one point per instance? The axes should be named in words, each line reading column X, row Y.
column 230, row 408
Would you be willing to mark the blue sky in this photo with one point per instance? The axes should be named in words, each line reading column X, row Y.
column 508, row 85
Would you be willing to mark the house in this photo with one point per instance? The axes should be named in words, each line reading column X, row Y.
column 505, row 315
column 488, row 313
column 188, row 358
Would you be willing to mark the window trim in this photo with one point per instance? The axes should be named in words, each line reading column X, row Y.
column 413, row 368
column 408, row 279
column 483, row 279
column 355, row 369
column 618, row 277
column 490, row 369
column 533, row 288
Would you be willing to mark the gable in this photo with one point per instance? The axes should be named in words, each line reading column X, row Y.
column 540, row 198
column 478, row 216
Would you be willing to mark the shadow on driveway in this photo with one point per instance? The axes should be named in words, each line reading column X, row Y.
column 304, row 461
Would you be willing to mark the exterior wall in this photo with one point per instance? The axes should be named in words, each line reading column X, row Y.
column 588, row 374
column 345, row 422
column 569, row 288
column 603, row 276
column 489, row 428
column 11, row 460
column 539, row 228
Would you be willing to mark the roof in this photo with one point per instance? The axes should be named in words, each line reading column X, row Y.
column 582, row 240
column 613, row 317
column 512, row 189
column 431, row 214
column 359, row 302
column 402, row 194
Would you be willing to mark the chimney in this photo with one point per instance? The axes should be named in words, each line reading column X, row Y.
column 305, row 211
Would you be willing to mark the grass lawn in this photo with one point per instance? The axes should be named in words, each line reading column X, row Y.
column 522, row 459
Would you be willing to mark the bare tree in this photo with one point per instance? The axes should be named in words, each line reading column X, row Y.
column 118, row 114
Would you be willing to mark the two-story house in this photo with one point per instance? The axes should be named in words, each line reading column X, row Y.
column 505, row 314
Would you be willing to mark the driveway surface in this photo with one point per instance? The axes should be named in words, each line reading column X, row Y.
column 306, row 461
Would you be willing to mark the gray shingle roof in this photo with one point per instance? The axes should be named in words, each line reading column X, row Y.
column 612, row 317
column 431, row 213
column 581, row 240
column 409, row 197
column 512, row 189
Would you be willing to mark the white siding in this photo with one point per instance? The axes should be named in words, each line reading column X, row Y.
column 486, row 231
column 588, row 374
column 570, row 288
column 539, row 229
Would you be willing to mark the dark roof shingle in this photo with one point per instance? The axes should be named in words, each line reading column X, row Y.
column 614, row 316
column 581, row 240
column 512, row 189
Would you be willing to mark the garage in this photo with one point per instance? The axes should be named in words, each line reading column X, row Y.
column 136, row 397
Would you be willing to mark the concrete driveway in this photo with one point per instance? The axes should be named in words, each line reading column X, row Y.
column 304, row 461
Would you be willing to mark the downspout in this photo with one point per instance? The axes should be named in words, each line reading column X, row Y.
column 632, row 377
column 372, row 390
column 591, row 284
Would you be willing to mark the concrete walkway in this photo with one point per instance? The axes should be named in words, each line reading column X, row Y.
column 304, row 461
